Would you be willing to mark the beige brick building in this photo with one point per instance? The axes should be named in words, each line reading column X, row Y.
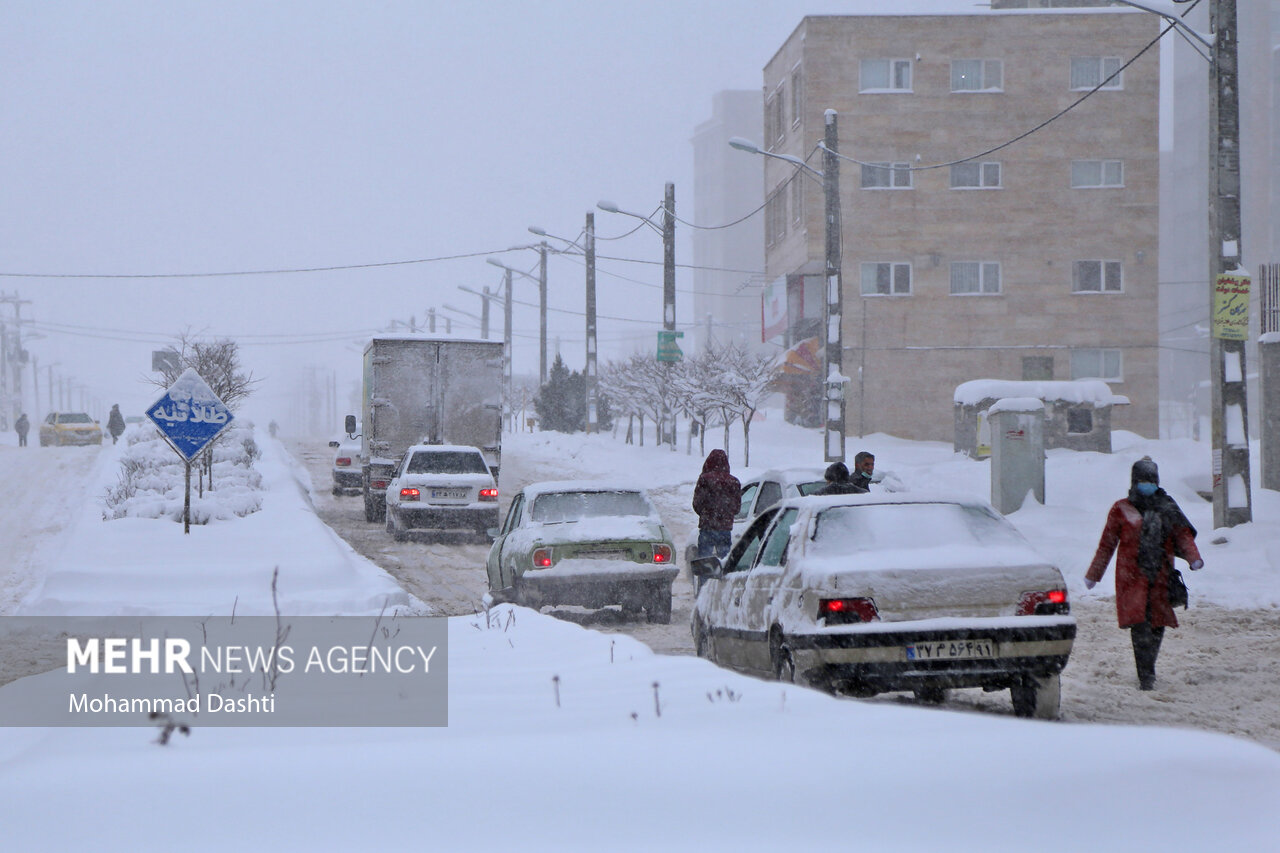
column 1033, row 261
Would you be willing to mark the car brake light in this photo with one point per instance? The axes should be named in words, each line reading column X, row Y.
column 377, row 484
column 488, row 494
column 542, row 558
column 844, row 611
column 342, row 461
column 661, row 553
column 1051, row 602
column 409, row 494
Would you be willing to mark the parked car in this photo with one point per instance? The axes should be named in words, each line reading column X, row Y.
column 761, row 492
column 442, row 487
column 61, row 428
column 346, row 466
column 584, row 543
column 863, row 594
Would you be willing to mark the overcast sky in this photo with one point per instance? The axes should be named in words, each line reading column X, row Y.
column 150, row 138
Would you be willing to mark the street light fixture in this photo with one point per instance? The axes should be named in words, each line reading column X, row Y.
column 588, row 248
column 484, row 308
column 833, row 367
column 541, row 280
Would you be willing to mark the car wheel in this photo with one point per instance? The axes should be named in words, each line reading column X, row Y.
column 337, row 490
column 1039, row 697
column 394, row 529
column 784, row 665
column 659, row 608
column 931, row 695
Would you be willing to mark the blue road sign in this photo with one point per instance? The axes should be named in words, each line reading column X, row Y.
column 190, row 415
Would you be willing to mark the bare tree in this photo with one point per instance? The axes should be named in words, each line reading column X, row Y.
column 746, row 379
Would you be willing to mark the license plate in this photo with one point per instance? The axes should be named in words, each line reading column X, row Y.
column 951, row 650
column 603, row 555
column 449, row 494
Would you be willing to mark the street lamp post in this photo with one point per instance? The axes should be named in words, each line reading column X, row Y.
column 668, row 232
column 541, row 280
column 833, row 379
column 588, row 248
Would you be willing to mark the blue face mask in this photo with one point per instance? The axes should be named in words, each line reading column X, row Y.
column 1146, row 489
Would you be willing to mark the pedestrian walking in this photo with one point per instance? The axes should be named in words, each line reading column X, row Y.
column 1146, row 531
column 839, row 482
column 21, row 426
column 717, row 497
column 115, row 423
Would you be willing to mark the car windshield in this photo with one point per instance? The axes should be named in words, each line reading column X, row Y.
column 573, row 506
column 447, row 462
column 75, row 418
column 807, row 489
column 845, row 529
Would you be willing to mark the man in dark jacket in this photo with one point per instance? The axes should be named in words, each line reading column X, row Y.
column 839, row 482
column 717, row 497
column 115, row 423
column 21, row 426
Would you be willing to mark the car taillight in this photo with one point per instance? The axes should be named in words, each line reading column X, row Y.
column 377, row 484
column 488, row 494
column 845, row 611
column 410, row 494
column 542, row 558
column 661, row 552
column 1051, row 602
column 342, row 461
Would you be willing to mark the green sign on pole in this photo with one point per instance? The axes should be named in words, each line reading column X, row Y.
column 668, row 349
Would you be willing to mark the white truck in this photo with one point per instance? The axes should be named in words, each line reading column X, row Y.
column 426, row 390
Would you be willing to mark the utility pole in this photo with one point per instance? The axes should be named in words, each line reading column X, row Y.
column 589, row 371
column 669, row 288
column 542, row 313
column 484, row 314
column 833, row 380
column 1232, row 496
column 506, row 347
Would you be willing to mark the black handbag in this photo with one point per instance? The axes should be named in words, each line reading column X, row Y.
column 1178, row 596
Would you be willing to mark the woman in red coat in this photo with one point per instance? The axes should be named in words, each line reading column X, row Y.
column 1149, row 530
column 717, row 497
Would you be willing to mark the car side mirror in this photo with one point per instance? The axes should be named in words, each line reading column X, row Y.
column 706, row 567
column 492, row 532
column 335, row 444
column 350, row 424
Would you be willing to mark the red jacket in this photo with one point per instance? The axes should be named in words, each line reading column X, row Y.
column 1124, row 525
column 717, row 497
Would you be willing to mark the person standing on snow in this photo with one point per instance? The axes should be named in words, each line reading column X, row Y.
column 717, row 497
column 115, row 423
column 20, row 426
column 1149, row 530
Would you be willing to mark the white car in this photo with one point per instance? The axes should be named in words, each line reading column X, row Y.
column 347, row 479
column 442, row 487
column 862, row 594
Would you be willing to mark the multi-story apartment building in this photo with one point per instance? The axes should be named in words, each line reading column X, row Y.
column 995, row 221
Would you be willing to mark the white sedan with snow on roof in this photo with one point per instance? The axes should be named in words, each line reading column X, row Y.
column 584, row 543
column 862, row 594
column 442, row 487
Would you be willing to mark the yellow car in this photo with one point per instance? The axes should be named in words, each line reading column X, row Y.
column 61, row 428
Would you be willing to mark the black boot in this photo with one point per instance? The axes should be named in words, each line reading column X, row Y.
column 1146, row 647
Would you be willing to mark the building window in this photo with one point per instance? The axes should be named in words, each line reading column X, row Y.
column 1096, row 277
column 1097, row 173
column 775, row 215
column 1087, row 72
column 1079, row 420
column 975, row 277
column 1037, row 368
column 1102, row 364
column 975, row 176
column 797, row 199
column 977, row 75
column 885, row 75
column 886, row 279
column 797, row 95
column 886, row 176
column 774, row 118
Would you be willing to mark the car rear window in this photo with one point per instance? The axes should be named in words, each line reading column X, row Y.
column 75, row 418
column 870, row 527
column 807, row 489
column 573, row 506
column 447, row 462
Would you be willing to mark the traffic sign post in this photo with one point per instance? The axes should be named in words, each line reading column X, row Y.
column 668, row 348
column 190, row 417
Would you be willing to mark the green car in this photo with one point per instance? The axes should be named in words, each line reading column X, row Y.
column 583, row 543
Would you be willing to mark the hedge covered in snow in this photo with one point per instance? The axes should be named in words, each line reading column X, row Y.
column 151, row 478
